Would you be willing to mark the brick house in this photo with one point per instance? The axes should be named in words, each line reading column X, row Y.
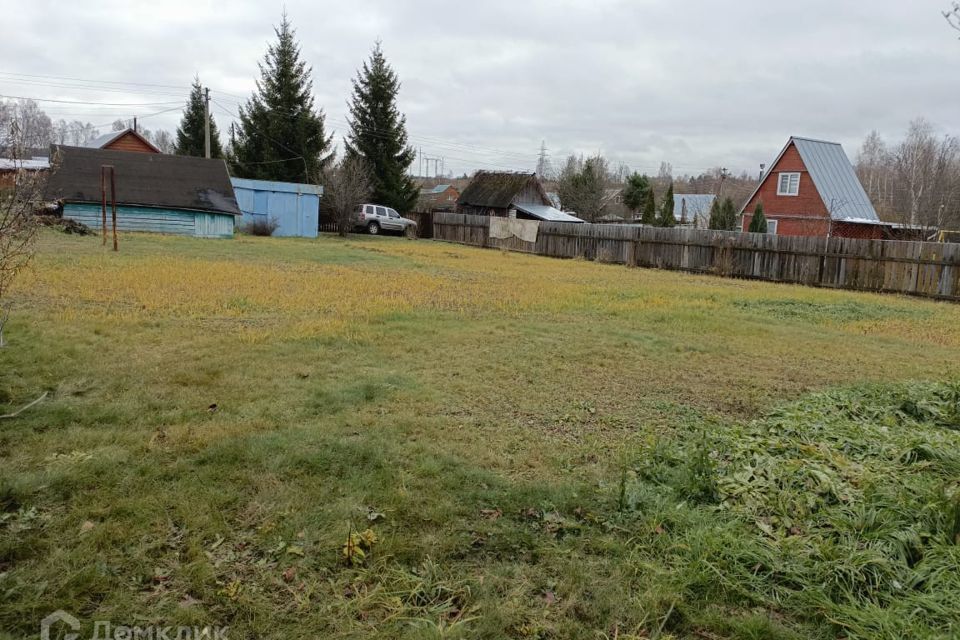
column 811, row 189
column 442, row 197
column 126, row 140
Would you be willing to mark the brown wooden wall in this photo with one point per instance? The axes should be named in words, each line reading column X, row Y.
column 130, row 142
column 926, row 269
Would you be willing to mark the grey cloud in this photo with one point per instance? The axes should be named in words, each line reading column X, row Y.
column 695, row 83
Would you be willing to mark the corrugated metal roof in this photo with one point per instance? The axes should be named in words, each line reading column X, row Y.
column 544, row 212
column 33, row 164
column 270, row 185
column 440, row 188
column 836, row 180
column 698, row 204
column 104, row 139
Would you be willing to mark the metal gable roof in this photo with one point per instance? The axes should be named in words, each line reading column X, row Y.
column 835, row 179
column 833, row 175
column 546, row 213
column 698, row 204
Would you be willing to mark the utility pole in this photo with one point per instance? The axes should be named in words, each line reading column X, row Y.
column 543, row 161
column 206, row 122
column 723, row 176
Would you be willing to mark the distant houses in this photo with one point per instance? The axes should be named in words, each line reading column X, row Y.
column 507, row 194
column 442, row 197
column 811, row 189
column 157, row 192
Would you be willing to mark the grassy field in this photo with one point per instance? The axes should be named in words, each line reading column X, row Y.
column 414, row 439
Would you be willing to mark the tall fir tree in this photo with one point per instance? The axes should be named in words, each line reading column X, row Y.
column 666, row 218
column 281, row 135
column 378, row 133
column 649, row 209
column 758, row 223
column 190, row 133
column 716, row 215
column 728, row 215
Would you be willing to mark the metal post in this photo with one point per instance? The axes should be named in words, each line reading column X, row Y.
column 113, row 200
column 103, row 204
column 206, row 122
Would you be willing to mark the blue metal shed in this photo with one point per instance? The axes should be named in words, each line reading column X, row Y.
column 295, row 207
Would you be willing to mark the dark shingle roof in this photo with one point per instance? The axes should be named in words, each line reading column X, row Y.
column 144, row 179
column 495, row 189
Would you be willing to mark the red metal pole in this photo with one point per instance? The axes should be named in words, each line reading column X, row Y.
column 113, row 200
column 103, row 204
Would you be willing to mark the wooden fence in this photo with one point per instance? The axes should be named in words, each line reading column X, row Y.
column 917, row 268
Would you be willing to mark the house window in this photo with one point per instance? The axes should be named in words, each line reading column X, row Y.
column 789, row 184
column 772, row 227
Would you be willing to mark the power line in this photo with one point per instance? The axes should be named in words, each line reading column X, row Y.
column 105, row 104
column 139, row 84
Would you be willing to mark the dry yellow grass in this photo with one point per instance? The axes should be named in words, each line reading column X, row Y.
column 426, row 380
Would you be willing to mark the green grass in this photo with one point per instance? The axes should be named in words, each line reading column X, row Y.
column 542, row 448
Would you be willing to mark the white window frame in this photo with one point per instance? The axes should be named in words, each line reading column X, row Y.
column 793, row 183
column 772, row 226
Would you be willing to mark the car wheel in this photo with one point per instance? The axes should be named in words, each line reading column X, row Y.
column 373, row 228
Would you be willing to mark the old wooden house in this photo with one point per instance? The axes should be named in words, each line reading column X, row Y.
column 155, row 192
column 507, row 194
column 125, row 140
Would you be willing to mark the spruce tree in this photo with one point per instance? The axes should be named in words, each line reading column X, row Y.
column 635, row 193
column 190, row 133
column 728, row 215
column 758, row 224
column 649, row 209
column 281, row 134
column 666, row 219
column 378, row 133
column 716, row 215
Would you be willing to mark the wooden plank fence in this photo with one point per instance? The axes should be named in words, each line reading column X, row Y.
column 925, row 269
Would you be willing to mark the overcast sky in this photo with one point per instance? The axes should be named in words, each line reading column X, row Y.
column 697, row 83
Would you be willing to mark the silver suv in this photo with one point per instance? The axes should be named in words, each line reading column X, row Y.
column 376, row 218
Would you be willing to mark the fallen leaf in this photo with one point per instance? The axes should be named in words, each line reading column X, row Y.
column 86, row 526
column 295, row 550
column 290, row 574
column 549, row 597
column 491, row 514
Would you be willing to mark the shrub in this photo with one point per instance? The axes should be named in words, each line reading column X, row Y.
column 261, row 227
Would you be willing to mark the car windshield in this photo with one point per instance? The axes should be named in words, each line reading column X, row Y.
column 393, row 214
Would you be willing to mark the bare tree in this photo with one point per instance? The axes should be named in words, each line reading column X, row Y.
column 18, row 224
column 916, row 181
column 346, row 185
column 34, row 128
column 582, row 185
column 953, row 15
